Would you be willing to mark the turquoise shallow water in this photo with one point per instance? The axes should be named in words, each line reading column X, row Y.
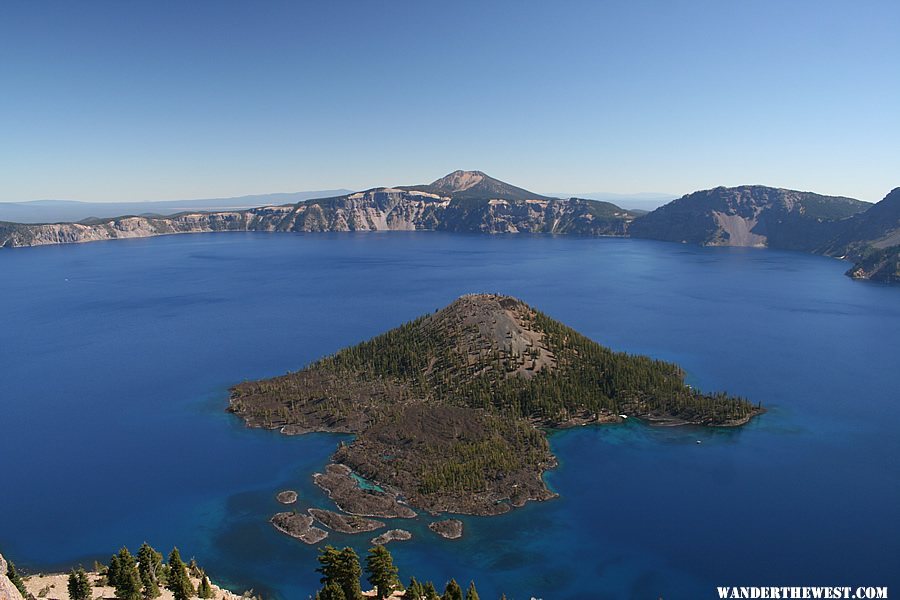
column 365, row 484
column 116, row 357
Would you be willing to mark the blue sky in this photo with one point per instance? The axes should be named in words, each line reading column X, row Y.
column 155, row 100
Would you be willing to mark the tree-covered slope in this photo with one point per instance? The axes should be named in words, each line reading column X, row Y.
column 878, row 227
column 453, row 399
column 877, row 264
column 750, row 216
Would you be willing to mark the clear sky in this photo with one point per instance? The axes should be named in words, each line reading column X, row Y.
column 129, row 100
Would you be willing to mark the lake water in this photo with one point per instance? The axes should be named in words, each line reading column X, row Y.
column 116, row 357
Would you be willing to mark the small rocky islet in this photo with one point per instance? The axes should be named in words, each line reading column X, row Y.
column 287, row 496
column 450, row 529
column 451, row 411
column 391, row 535
column 299, row 526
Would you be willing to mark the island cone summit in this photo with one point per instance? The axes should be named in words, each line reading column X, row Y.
column 448, row 409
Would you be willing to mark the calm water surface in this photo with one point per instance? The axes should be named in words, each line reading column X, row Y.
column 115, row 359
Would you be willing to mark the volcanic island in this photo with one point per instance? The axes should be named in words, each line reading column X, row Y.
column 451, row 411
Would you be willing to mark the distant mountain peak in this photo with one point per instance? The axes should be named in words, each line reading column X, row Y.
column 459, row 180
column 477, row 184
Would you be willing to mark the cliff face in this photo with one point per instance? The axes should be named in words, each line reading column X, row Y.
column 378, row 209
column 756, row 216
column 472, row 202
column 574, row 216
column 14, row 235
column 7, row 590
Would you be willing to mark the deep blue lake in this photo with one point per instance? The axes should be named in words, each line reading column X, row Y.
column 116, row 357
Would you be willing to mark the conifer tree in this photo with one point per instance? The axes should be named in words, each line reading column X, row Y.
column 341, row 567
column 128, row 581
column 79, row 586
column 452, row 591
column 112, row 571
column 15, row 578
column 350, row 574
column 328, row 560
column 204, row 590
column 149, row 567
column 331, row 591
column 178, row 580
column 431, row 592
column 472, row 593
column 414, row 591
column 381, row 571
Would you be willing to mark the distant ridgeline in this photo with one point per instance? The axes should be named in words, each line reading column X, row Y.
column 470, row 201
column 449, row 409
